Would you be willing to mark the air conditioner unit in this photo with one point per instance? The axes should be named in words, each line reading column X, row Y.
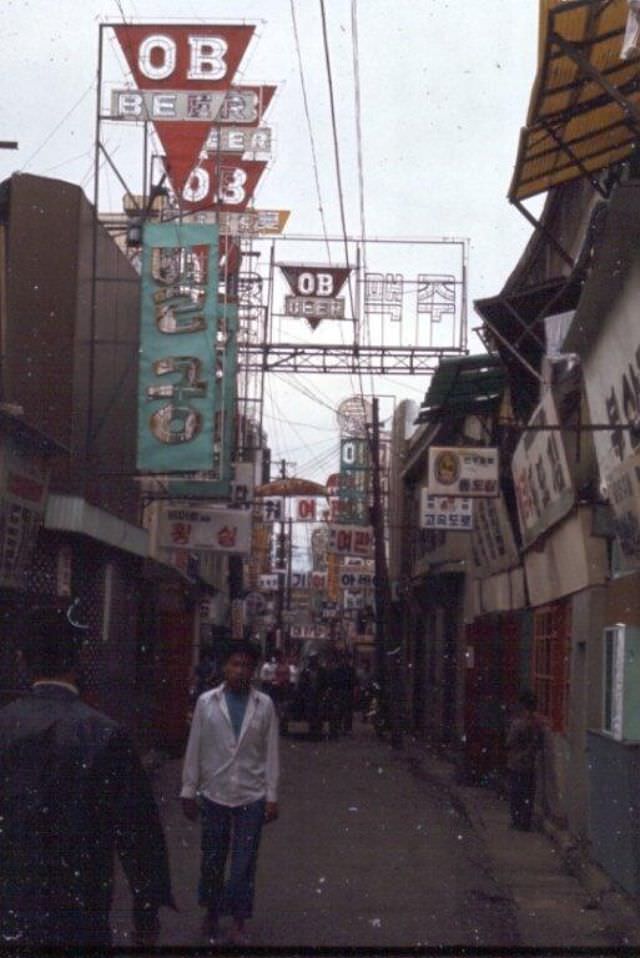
column 621, row 678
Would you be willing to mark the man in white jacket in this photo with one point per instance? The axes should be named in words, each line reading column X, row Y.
column 230, row 776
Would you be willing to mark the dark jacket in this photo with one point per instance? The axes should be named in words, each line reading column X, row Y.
column 72, row 791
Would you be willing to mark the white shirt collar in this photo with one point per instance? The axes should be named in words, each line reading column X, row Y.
column 64, row 685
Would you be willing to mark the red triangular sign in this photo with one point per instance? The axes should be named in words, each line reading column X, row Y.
column 185, row 57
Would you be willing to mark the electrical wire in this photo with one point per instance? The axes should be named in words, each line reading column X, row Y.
column 307, row 112
column 58, row 125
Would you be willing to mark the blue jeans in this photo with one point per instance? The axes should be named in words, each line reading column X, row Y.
column 236, row 831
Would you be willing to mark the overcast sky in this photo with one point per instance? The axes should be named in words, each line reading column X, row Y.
column 444, row 88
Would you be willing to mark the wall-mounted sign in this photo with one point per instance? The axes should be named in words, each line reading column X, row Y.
column 24, row 480
column 204, row 529
column 462, row 471
column 449, row 513
column 623, row 487
column 541, row 476
column 179, row 354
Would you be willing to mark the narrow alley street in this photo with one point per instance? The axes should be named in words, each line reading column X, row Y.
column 367, row 853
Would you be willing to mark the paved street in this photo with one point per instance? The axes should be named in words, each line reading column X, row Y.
column 366, row 853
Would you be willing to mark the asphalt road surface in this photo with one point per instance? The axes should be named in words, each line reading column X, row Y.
column 364, row 854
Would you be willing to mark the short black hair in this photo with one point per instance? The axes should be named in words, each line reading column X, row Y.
column 240, row 647
column 49, row 643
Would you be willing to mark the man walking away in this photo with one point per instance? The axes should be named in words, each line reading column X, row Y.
column 72, row 791
column 230, row 775
column 525, row 740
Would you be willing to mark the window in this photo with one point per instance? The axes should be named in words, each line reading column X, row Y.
column 551, row 649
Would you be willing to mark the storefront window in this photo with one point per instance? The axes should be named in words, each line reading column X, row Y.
column 551, row 648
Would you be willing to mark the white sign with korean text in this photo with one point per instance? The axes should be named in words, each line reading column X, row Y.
column 623, row 488
column 493, row 547
column 462, row 471
column 268, row 582
column 541, row 476
column 449, row 513
column 204, row 529
column 306, row 509
column 612, row 381
column 272, row 510
column 356, row 580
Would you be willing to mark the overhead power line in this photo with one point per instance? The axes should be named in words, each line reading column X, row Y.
column 307, row 112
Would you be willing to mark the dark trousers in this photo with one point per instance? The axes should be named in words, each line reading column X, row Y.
column 234, row 834
column 522, row 793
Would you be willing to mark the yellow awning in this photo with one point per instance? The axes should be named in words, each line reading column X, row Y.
column 584, row 113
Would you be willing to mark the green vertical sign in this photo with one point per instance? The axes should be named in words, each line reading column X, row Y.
column 177, row 386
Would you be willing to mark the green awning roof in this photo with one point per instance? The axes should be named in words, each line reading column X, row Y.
column 463, row 385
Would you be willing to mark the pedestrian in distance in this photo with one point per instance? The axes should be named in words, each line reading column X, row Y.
column 525, row 740
column 313, row 692
column 230, row 779
column 72, row 793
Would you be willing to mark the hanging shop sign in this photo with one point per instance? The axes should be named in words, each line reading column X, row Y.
column 356, row 580
column 24, row 480
column 315, row 292
column 493, row 547
column 350, row 540
column 543, row 486
column 462, row 471
column 201, row 528
column 623, row 489
column 198, row 59
column 353, row 415
column 612, row 381
column 243, row 483
column 179, row 351
column 269, row 582
column 449, row 513
column 306, row 510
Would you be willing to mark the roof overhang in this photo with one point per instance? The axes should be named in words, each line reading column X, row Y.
column 74, row 514
column 584, row 113
column 16, row 427
column 616, row 253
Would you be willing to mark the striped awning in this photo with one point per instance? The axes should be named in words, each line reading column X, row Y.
column 584, row 113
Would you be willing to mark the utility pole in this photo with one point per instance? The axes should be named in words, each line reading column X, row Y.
column 387, row 658
column 281, row 561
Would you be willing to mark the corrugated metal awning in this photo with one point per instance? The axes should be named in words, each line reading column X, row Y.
column 463, row 385
column 584, row 113
column 73, row 514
